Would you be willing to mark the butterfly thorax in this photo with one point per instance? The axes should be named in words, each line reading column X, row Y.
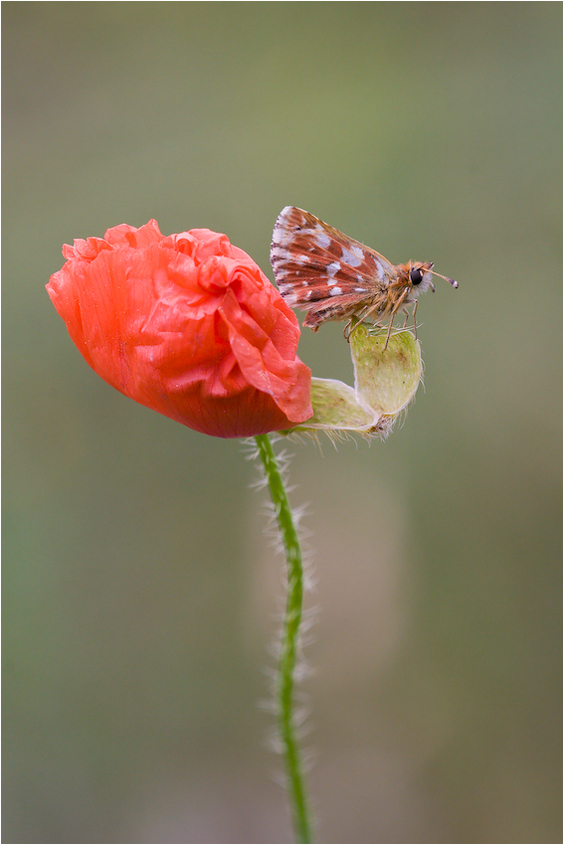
column 380, row 301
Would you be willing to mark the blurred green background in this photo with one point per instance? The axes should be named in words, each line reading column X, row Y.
column 140, row 593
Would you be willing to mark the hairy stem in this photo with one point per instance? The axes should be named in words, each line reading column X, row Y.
column 289, row 643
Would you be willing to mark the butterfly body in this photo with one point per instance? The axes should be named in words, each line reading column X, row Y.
column 333, row 277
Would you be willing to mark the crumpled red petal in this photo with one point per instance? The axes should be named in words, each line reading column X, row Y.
column 187, row 325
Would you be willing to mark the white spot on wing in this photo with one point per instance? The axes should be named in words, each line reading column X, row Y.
column 336, row 291
column 322, row 239
column 333, row 268
column 349, row 257
column 279, row 253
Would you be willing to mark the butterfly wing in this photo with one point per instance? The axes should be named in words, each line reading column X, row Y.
column 322, row 271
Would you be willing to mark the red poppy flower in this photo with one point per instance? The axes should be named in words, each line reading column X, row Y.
column 187, row 325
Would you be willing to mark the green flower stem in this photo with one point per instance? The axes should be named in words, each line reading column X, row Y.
column 289, row 644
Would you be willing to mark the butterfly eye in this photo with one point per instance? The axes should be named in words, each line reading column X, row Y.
column 415, row 276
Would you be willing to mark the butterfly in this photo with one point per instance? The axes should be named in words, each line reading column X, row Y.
column 333, row 277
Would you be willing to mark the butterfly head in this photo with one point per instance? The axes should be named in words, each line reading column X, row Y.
column 420, row 275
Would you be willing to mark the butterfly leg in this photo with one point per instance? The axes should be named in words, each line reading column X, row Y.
column 394, row 312
column 351, row 326
column 389, row 332
column 357, row 320
column 413, row 315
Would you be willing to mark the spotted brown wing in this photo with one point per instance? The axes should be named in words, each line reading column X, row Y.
column 322, row 271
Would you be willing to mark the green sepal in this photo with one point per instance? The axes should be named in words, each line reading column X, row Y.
column 337, row 406
column 386, row 380
column 387, row 376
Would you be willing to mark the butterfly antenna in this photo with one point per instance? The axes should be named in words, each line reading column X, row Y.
column 453, row 282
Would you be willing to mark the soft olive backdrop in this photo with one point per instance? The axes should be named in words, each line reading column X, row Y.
column 140, row 592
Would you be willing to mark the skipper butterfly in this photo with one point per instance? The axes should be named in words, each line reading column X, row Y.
column 333, row 277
